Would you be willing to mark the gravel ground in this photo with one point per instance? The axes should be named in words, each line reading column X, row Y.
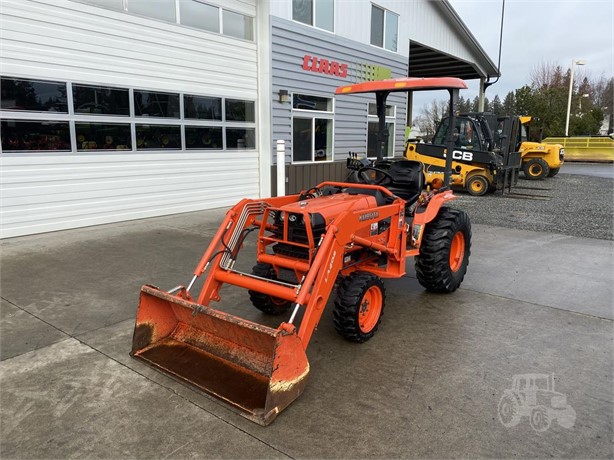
column 567, row 204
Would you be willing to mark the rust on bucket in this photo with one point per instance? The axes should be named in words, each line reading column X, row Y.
column 253, row 368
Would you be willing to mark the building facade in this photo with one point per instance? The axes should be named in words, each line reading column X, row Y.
column 122, row 109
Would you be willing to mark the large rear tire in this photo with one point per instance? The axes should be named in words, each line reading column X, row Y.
column 359, row 306
column 535, row 169
column 509, row 410
column 444, row 251
column 264, row 302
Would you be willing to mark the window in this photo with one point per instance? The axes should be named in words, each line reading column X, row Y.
column 319, row 13
column 240, row 138
column 377, row 26
column 110, row 4
column 34, row 135
column 237, row 110
column 36, row 116
column 238, row 25
column 305, row 102
column 193, row 13
column 33, row 95
column 373, row 129
column 158, row 9
column 312, row 128
column 384, row 28
column 155, row 137
column 202, row 108
column 100, row 100
column 390, row 110
column 200, row 15
column 203, row 137
column 465, row 133
column 150, row 104
column 103, row 136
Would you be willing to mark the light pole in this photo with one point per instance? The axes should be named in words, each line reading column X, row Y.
column 574, row 63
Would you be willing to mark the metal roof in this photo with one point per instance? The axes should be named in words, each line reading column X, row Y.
column 425, row 61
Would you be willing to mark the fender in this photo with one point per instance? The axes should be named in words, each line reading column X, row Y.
column 424, row 215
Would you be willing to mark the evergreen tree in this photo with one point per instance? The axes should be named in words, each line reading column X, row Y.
column 497, row 106
column 509, row 104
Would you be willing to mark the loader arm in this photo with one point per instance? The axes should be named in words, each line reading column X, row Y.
column 328, row 264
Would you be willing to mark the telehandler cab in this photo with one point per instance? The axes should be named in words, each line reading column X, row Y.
column 485, row 157
column 349, row 234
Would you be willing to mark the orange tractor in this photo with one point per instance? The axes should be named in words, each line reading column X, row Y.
column 349, row 234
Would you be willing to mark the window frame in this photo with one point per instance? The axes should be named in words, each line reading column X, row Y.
column 125, row 9
column 386, row 12
column 392, row 119
column 35, row 80
column 73, row 118
column 313, row 115
column 314, row 15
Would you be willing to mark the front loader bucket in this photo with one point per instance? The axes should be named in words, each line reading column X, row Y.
column 253, row 368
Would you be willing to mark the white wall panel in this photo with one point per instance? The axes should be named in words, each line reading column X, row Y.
column 64, row 40
column 46, row 193
column 419, row 20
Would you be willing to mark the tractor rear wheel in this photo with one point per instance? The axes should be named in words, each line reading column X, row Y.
column 553, row 172
column 535, row 169
column 359, row 306
column 509, row 410
column 264, row 302
column 477, row 185
column 444, row 251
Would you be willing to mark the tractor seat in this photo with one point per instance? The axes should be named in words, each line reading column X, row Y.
column 407, row 179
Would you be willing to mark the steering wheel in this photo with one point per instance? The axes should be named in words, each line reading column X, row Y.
column 386, row 178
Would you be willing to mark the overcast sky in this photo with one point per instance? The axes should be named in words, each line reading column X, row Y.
column 540, row 31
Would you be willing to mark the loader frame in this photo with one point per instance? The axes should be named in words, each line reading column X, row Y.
column 313, row 238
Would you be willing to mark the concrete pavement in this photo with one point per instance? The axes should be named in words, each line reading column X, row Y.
column 427, row 385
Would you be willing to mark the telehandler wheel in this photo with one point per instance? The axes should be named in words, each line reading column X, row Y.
column 535, row 168
column 444, row 252
column 477, row 185
column 263, row 302
column 359, row 306
column 553, row 172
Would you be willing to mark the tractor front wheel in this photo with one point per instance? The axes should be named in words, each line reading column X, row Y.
column 535, row 169
column 359, row 306
column 540, row 420
column 444, row 251
column 264, row 302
